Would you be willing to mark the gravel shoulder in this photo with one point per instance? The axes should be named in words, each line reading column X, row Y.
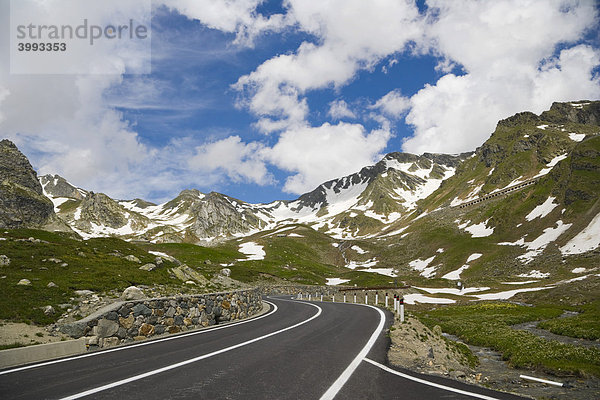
column 12, row 332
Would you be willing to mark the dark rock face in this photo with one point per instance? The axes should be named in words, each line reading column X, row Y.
column 580, row 112
column 99, row 208
column 584, row 179
column 22, row 202
column 216, row 214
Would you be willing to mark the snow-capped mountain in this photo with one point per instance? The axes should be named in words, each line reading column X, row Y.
column 533, row 178
column 362, row 202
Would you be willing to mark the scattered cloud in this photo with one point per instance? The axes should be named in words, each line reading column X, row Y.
column 238, row 161
column 393, row 104
column 493, row 59
column 275, row 88
column 318, row 154
column 338, row 109
column 231, row 16
column 507, row 50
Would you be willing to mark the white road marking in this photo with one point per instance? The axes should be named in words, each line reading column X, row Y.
column 97, row 353
column 425, row 382
column 190, row 361
column 343, row 378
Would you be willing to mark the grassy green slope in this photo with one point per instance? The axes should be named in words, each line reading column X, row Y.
column 91, row 266
column 574, row 183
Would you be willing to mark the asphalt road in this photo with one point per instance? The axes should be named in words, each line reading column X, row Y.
column 299, row 350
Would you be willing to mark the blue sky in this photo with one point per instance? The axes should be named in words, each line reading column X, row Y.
column 197, row 99
column 266, row 100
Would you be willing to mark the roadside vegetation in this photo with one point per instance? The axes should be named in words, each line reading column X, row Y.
column 489, row 325
column 70, row 264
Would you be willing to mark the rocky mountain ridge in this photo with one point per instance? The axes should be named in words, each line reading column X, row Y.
column 381, row 193
column 377, row 202
column 22, row 202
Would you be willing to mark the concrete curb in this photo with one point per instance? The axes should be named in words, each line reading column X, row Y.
column 41, row 352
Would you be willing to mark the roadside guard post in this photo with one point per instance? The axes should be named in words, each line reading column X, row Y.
column 386, row 300
column 401, row 309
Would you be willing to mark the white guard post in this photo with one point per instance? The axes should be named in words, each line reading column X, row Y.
column 402, row 309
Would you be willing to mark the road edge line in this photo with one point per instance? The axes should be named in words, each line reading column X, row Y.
column 132, row 346
column 343, row 378
column 428, row 383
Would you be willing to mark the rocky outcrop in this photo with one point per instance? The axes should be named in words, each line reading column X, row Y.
column 57, row 186
column 580, row 112
column 22, row 202
column 100, row 210
column 219, row 215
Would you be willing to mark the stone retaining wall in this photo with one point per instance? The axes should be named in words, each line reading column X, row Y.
column 127, row 321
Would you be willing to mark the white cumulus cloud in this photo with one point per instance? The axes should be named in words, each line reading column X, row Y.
column 317, row 154
column 393, row 104
column 339, row 109
column 506, row 49
column 230, row 156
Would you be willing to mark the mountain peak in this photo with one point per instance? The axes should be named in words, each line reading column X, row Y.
column 22, row 202
column 57, row 186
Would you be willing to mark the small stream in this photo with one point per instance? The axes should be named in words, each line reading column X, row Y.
column 532, row 328
column 496, row 374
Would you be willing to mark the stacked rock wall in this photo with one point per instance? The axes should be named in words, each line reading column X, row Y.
column 124, row 322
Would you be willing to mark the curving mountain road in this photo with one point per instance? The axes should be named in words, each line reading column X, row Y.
column 299, row 350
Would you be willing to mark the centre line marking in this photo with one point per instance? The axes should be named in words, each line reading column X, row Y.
column 190, row 361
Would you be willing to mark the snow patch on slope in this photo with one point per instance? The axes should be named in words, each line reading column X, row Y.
column 455, row 275
column 576, row 137
column 336, row 281
column 551, row 165
column 534, row 273
column 252, row 250
column 537, row 246
column 508, row 294
column 586, row 240
column 423, row 267
column 480, row 230
column 542, row 210
column 358, row 249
